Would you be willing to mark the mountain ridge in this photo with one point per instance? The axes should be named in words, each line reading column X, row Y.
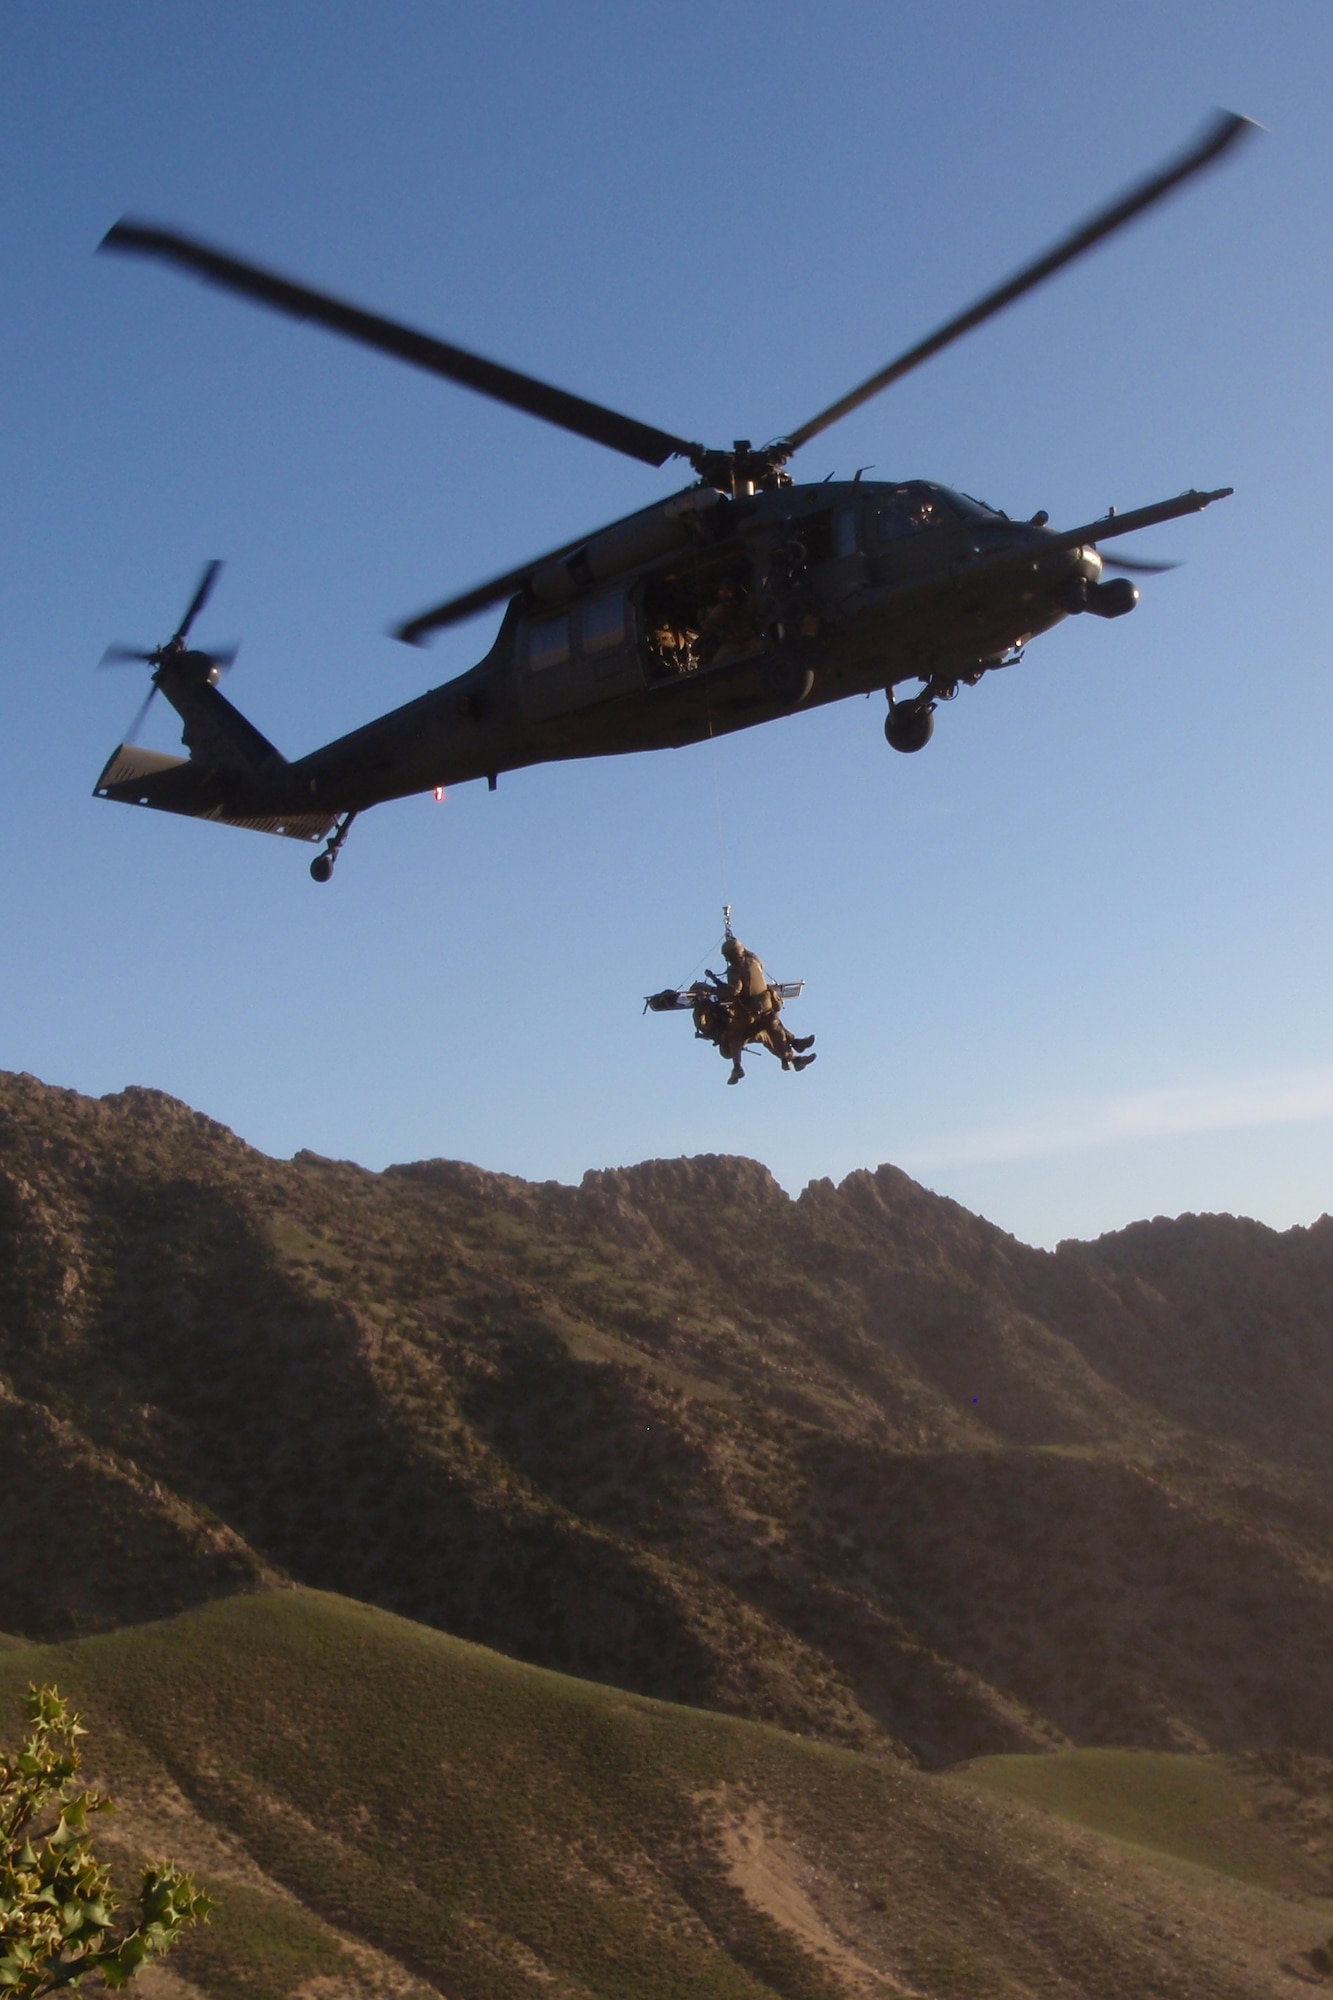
column 854, row 1461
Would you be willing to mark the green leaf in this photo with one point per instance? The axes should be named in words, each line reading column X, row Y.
column 56, row 1901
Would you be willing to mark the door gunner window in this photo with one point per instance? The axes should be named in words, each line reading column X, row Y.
column 548, row 643
column 604, row 623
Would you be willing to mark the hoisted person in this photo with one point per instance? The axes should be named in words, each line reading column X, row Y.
column 753, row 1007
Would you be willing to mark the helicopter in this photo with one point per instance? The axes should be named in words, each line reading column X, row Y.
column 741, row 598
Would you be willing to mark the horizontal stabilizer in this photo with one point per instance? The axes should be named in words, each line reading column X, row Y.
column 128, row 764
column 138, row 777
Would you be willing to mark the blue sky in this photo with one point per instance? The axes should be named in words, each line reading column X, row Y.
column 1072, row 965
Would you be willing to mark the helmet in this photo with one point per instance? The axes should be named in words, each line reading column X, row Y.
column 732, row 948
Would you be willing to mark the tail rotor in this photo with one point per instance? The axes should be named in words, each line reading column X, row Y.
column 174, row 651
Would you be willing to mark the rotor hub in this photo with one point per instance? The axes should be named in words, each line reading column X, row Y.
column 745, row 469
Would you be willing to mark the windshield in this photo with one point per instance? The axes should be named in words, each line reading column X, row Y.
column 977, row 510
column 903, row 510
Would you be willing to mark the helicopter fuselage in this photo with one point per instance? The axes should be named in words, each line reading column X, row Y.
column 741, row 599
column 704, row 614
column 853, row 588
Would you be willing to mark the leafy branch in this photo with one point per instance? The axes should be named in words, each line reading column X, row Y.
column 58, row 1921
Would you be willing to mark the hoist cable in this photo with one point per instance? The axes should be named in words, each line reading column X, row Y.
column 721, row 852
column 717, row 804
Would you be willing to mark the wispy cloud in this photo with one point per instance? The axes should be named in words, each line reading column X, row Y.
column 1280, row 1097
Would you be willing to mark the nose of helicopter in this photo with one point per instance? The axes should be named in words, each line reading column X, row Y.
column 1023, row 542
column 1060, row 564
column 1062, row 567
column 1042, row 568
column 1079, row 586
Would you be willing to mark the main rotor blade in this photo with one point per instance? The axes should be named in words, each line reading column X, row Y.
column 1139, row 565
column 488, row 378
column 455, row 609
column 122, row 656
column 201, row 596
column 1219, row 135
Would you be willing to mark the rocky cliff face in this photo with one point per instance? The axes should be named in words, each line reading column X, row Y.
column 858, row 1463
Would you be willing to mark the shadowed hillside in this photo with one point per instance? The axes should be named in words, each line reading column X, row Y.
column 857, row 1463
column 381, row 1810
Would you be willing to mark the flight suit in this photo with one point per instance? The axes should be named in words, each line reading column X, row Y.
column 747, row 984
column 754, row 1010
column 726, row 629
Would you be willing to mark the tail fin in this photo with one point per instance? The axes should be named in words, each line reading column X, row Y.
column 218, row 735
column 233, row 774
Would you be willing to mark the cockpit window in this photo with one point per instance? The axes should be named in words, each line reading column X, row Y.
column 907, row 509
column 977, row 510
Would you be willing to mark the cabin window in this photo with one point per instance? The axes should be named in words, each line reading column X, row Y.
column 604, row 623
column 548, row 643
column 844, row 532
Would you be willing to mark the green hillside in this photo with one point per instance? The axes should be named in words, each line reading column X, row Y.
column 1221, row 1812
column 384, row 1810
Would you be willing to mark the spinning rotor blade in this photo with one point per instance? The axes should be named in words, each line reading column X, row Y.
column 455, row 609
column 1140, row 565
column 120, row 656
column 201, row 596
column 124, row 656
column 456, row 364
column 142, row 711
column 1219, row 135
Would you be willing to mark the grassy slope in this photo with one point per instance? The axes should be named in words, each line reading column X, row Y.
column 389, row 1810
column 1207, row 1810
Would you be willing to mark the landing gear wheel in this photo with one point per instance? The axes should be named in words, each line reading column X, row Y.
column 909, row 728
column 322, row 866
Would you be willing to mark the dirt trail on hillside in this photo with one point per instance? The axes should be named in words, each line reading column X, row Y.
column 777, row 1879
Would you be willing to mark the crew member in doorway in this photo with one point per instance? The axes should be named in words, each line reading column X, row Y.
column 674, row 647
column 727, row 627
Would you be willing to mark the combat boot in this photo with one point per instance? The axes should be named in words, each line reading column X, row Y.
column 802, row 1042
column 803, row 1062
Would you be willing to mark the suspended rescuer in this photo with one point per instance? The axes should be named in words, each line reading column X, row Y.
column 753, row 1010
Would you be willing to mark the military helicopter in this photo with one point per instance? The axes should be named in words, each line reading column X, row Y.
column 741, row 598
